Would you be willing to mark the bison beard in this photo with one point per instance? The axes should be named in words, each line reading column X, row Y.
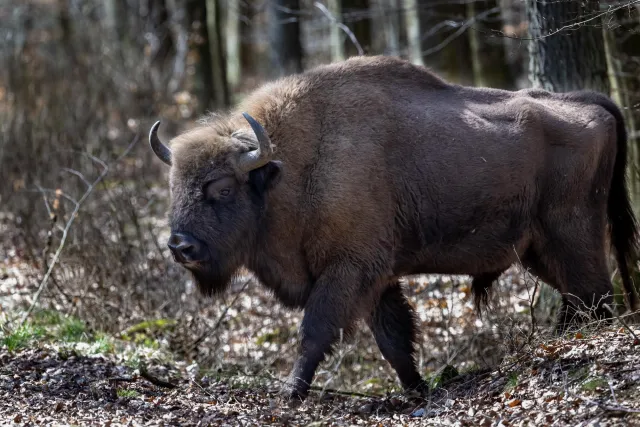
column 389, row 171
column 210, row 280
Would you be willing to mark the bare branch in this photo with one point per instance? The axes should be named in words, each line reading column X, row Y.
column 460, row 31
column 67, row 227
column 78, row 174
column 343, row 27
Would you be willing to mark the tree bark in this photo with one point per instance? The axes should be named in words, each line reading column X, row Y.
column 412, row 24
column 565, row 55
column 487, row 53
column 514, row 27
column 232, row 42
column 220, row 96
column 203, row 79
column 385, row 28
column 336, row 35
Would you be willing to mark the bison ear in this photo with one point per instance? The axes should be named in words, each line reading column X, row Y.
column 266, row 177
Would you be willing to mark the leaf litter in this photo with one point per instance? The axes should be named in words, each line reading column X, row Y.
column 489, row 370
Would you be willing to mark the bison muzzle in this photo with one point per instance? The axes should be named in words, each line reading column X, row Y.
column 338, row 181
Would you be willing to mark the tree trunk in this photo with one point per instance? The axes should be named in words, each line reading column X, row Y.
column 232, row 42
column 385, row 28
column 446, row 49
column 284, row 37
column 336, row 35
column 514, row 27
column 563, row 54
column 218, row 70
column 202, row 82
column 412, row 23
column 179, row 25
column 352, row 15
column 487, row 53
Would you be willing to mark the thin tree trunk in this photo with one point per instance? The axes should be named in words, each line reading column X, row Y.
column 566, row 58
column 514, row 22
column 385, row 28
column 232, row 42
column 179, row 24
column 474, row 43
column 352, row 12
column 487, row 57
column 336, row 35
column 412, row 23
column 203, row 79
column 284, row 37
column 218, row 70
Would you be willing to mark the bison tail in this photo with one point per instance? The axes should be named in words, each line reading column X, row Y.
column 623, row 223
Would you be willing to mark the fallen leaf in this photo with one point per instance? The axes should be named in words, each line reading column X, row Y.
column 514, row 402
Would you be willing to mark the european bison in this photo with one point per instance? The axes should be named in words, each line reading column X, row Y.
column 342, row 179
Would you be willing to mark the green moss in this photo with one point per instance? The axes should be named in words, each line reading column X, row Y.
column 593, row 384
column 126, row 393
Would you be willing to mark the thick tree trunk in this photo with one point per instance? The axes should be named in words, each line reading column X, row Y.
column 284, row 37
column 565, row 55
column 412, row 24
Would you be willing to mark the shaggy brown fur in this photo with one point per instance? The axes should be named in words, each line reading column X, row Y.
column 382, row 169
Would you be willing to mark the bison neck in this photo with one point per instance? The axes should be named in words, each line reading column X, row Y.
column 285, row 275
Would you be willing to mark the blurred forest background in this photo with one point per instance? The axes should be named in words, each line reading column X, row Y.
column 83, row 200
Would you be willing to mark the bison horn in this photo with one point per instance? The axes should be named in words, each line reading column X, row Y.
column 162, row 151
column 261, row 156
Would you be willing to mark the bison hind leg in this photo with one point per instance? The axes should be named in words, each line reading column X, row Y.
column 394, row 328
column 481, row 287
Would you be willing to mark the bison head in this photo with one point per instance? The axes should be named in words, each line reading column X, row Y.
column 219, row 180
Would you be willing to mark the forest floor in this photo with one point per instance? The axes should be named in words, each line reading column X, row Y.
column 581, row 381
column 502, row 369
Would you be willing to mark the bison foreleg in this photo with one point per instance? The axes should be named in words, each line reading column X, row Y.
column 332, row 306
column 393, row 325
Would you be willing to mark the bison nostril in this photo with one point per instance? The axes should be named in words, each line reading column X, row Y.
column 184, row 247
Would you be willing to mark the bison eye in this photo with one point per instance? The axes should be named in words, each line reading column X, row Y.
column 219, row 189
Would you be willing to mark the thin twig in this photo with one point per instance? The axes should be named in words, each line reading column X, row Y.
column 65, row 231
column 340, row 25
column 603, row 406
column 635, row 337
column 220, row 318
